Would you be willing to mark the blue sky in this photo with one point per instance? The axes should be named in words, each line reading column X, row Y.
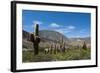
column 71, row 24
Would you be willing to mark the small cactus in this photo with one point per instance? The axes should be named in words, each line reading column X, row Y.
column 84, row 46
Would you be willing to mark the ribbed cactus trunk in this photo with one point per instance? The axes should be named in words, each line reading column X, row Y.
column 36, row 48
column 36, row 40
column 37, row 30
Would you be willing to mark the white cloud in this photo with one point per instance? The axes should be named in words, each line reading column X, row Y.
column 63, row 31
column 54, row 25
column 71, row 27
column 82, row 31
column 26, row 27
column 37, row 22
column 66, row 29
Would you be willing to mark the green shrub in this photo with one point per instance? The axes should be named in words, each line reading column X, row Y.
column 69, row 54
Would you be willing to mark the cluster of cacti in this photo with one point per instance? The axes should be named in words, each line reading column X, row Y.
column 54, row 48
column 36, row 40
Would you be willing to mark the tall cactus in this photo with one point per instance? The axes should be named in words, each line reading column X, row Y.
column 55, row 47
column 51, row 46
column 36, row 40
column 62, row 45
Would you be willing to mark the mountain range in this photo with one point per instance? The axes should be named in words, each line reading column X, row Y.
column 48, row 37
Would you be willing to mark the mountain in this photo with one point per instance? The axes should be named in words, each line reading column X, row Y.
column 25, row 34
column 80, row 41
column 47, row 37
column 53, row 37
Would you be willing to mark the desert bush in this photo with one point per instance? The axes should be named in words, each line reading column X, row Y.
column 42, row 58
column 27, row 56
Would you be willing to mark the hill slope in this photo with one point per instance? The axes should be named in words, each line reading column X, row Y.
column 47, row 38
column 52, row 37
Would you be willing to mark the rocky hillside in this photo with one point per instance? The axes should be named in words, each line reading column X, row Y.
column 47, row 37
column 53, row 37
